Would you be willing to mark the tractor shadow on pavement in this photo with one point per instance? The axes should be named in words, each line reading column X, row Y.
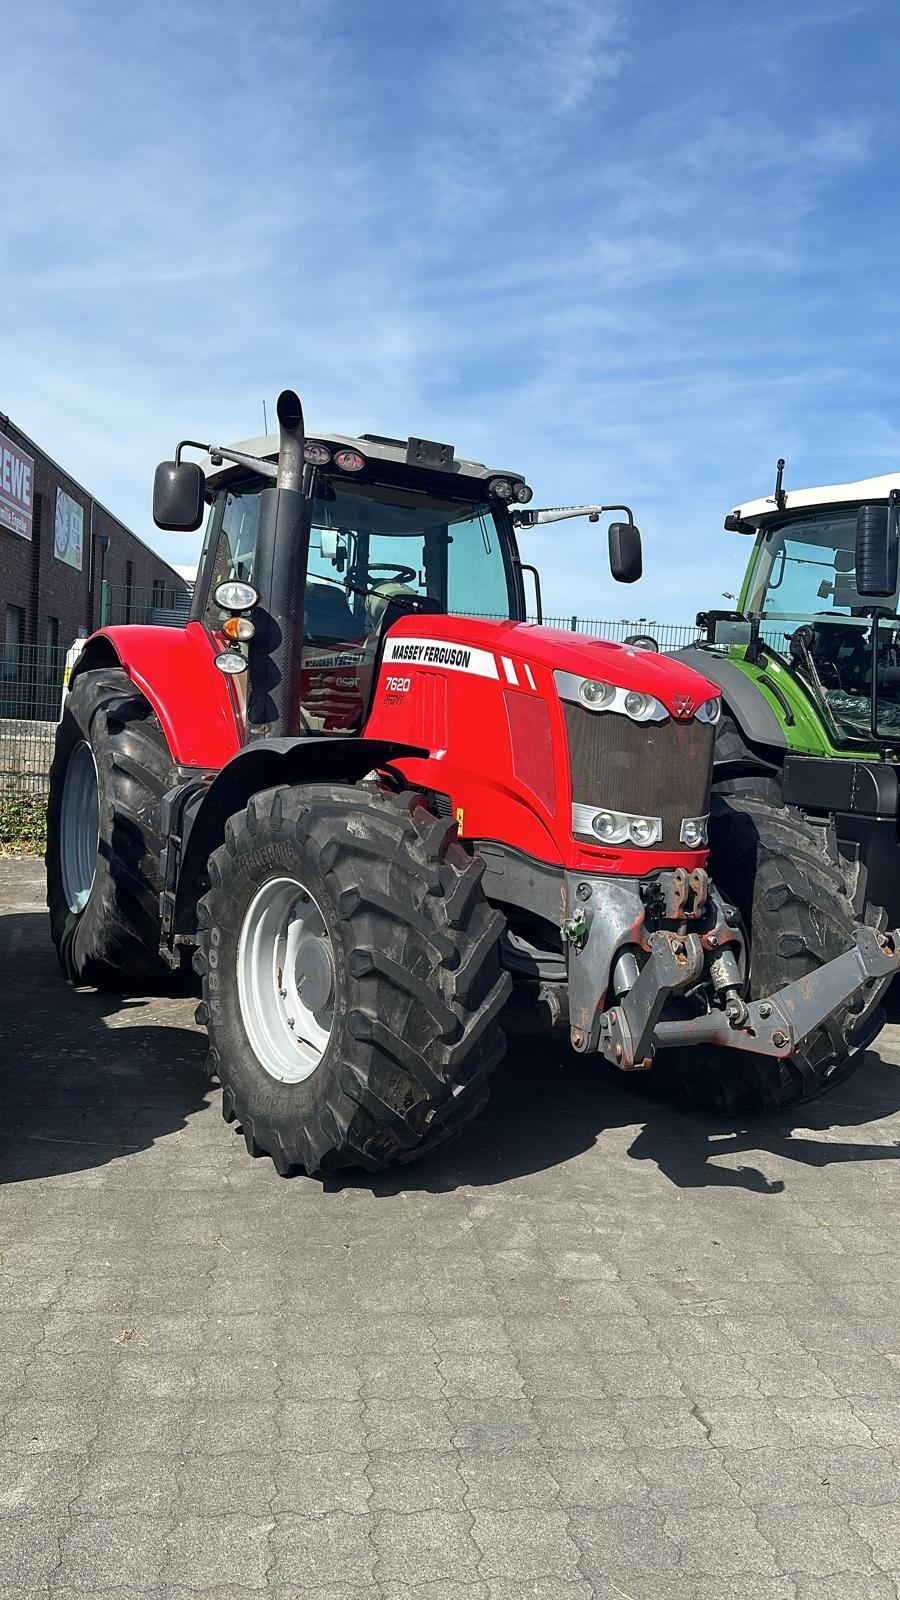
column 548, row 1107
column 85, row 1077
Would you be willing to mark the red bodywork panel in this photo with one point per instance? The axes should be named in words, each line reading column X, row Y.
column 495, row 725
column 497, row 732
column 196, row 704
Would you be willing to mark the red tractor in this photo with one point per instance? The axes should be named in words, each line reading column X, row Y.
column 384, row 826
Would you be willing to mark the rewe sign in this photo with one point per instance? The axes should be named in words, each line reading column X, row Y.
column 16, row 488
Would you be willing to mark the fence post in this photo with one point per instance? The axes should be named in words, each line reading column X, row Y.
column 573, row 624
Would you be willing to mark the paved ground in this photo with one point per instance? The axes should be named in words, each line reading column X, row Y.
column 596, row 1348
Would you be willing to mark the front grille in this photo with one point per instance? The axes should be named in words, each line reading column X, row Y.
column 659, row 769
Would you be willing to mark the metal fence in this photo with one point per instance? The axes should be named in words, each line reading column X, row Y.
column 31, row 685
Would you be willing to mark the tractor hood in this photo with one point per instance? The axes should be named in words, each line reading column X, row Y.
column 508, row 649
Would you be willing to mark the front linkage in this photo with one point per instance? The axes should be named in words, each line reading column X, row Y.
column 695, row 950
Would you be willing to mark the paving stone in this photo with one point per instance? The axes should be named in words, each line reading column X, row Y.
column 416, row 1480
column 525, row 1543
column 217, row 1484
column 485, row 1375
column 716, row 1542
column 110, row 1551
column 820, row 1542
column 318, row 1483
column 206, row 1552
column 142, row 1484
column 879, row 1526
column 506, row 1480
column 619, row 1540
column 430, row 1547
column 406, row 1425
column 314, row 1551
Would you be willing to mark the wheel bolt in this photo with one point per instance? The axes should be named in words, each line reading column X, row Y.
column 779, row 1039
column 765, row 1010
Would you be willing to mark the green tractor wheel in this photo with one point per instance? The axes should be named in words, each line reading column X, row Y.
column 795, row 895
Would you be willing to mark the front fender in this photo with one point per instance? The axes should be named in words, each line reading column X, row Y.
column 264, row 764
column 173, row 668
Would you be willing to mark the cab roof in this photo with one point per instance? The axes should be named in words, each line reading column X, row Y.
column 374, row 447
column 830, row 494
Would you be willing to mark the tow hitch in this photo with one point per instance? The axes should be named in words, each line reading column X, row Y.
column 704, row 955
column 774, row 1026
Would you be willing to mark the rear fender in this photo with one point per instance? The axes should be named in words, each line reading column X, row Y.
column 173, row 668
column 265, row 764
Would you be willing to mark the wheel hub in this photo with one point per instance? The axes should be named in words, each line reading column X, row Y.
column 285, row 972
column 79, row 827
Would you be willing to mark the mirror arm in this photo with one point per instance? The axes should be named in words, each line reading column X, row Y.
column 533, row 519
column 218, row 452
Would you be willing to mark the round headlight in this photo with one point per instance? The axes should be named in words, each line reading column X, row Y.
column 641, row 830
column 692, row 833
column 595, row 694
column 523, row 493
column 636, row 704
column 235, row 596
column 713, row 709
column 349, row 461
column 230, row 662
column 502, row 488
column 604, row 825
column 238, row 628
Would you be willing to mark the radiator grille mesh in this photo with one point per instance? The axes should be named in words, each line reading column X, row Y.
column 660, row 769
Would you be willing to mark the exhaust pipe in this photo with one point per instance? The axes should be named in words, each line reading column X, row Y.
column 282, row 553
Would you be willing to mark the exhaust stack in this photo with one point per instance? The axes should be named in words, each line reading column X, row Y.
column 282, row 551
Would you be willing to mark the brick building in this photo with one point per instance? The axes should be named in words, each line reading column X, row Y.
column 57, row 544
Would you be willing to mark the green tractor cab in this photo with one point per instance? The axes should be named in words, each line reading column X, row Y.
column 809, row 667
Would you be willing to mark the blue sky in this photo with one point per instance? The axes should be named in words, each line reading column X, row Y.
column 635, row 249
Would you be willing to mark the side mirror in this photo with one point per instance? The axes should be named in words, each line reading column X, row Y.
column 625, row 562
column 178, row 490
column 876, row 552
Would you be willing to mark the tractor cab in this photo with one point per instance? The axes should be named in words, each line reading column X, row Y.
column 803, row 593
column 396, row 527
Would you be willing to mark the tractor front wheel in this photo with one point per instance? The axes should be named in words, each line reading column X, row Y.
column 351, row 977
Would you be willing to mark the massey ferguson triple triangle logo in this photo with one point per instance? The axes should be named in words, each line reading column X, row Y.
column 682, row 705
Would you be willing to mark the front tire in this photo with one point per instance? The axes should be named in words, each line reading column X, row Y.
column 110, row 770
column 795, row 896
column 393, row 1053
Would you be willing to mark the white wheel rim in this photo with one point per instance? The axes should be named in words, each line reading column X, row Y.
column 285, row 975
column 79, row 827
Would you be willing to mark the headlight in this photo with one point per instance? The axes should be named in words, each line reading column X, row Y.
column 693, row 832
column 230, row 662
column 616, row 827
column 596, row 694
column 235, row 596
column 711, row 709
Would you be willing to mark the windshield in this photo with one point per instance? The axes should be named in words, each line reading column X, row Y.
column 369, row 543
column 804, row 578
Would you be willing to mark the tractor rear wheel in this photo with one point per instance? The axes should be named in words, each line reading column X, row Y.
column 351, row 977
column 110, row 770
column 795, row 896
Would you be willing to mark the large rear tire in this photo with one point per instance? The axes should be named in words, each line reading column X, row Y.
column 111, row 768
column 351, row 977
column 795, row 896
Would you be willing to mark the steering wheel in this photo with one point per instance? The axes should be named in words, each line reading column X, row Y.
column 394, row 573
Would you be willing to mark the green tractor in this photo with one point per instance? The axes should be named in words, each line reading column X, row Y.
column 806, row 795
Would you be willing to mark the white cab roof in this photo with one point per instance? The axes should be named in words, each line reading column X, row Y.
column 829, row 494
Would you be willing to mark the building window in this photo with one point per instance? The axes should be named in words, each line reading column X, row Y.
column 51, row 633
column 14, row 639
column 129, row 585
